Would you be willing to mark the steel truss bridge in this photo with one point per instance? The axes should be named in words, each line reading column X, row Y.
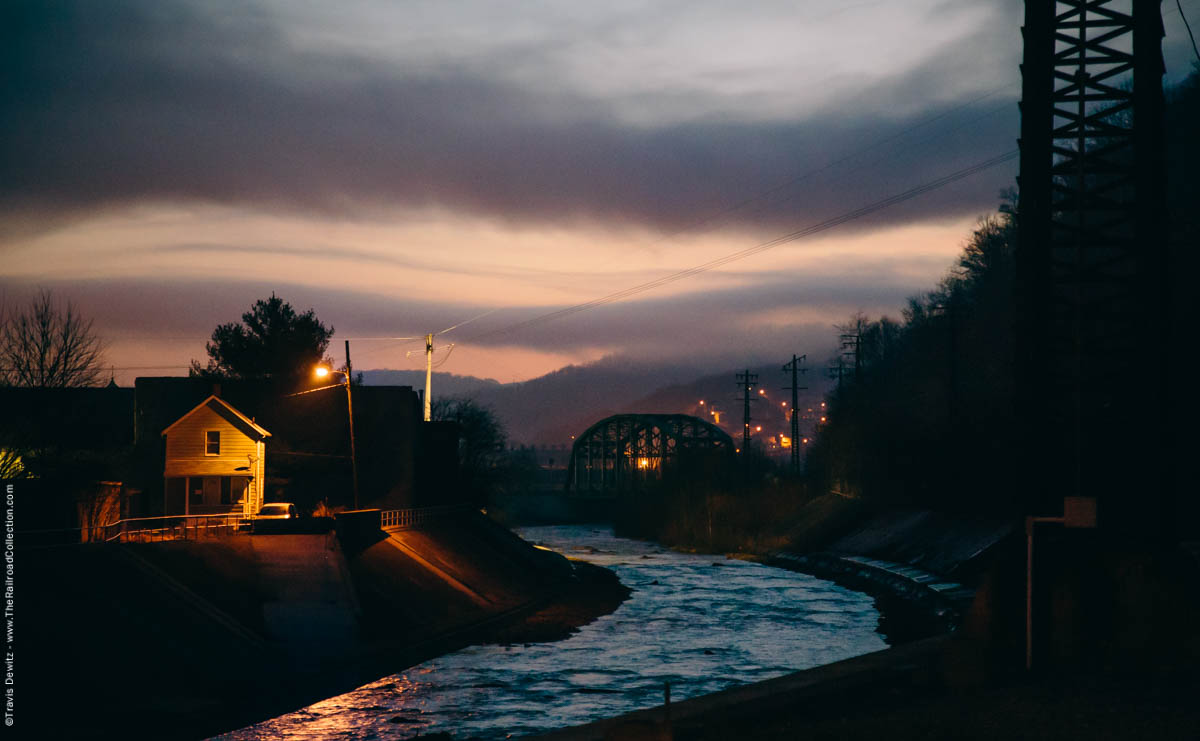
column 623, row 452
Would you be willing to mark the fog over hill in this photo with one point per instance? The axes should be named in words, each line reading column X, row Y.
column 446, row 384
column 549, row 409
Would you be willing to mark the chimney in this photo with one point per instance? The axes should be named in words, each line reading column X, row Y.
column 216, row 391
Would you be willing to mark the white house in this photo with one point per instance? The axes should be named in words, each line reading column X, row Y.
column 214, row 461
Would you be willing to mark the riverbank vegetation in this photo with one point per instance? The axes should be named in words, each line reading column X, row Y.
column 749, row 508
column 924, row 413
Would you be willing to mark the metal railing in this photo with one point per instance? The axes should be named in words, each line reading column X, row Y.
column 401, row 518
column 174, row 527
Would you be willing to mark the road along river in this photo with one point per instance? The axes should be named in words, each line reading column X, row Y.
column 700, row 622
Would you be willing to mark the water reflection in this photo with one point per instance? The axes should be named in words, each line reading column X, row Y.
column 701, row 622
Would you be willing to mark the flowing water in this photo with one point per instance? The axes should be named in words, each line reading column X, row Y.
column 702, row 623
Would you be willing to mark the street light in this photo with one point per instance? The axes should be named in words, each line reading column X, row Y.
column 322, row 372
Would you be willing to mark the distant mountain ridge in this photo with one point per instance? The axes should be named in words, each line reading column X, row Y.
column 549, row 409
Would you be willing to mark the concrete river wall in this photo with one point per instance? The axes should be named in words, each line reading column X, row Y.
column 187, row 639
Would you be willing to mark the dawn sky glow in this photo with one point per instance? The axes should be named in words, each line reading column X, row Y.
column 400, row 167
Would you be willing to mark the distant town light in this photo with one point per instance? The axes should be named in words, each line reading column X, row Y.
column 643, row 463
column 702, row 402
column 758, row 428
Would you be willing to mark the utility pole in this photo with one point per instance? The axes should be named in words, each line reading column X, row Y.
column 428, row 375
column 852, row 345
column 836, row 370
column 796, row 388
column 746, row 381
column 350, row 415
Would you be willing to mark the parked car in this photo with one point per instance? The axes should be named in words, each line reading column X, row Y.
column 277, row 511
column 276, row 517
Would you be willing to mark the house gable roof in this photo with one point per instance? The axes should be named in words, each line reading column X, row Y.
column 229, row 414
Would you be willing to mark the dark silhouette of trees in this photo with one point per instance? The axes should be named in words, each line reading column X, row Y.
column 486, row 465
column 45, row 345
column 929, row 419
column 272, row 343
column 924, row 415
column 482, row 444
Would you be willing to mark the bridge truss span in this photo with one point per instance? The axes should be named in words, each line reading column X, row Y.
column 624, row 452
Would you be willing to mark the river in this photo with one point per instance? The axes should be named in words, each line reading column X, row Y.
column 700, row 622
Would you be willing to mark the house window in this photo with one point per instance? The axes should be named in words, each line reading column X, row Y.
column 195, row 491
column 212, row 442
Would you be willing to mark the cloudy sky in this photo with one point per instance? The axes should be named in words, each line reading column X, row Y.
column 402, row 166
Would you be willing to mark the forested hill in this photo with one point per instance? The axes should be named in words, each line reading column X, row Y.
column 927, row 414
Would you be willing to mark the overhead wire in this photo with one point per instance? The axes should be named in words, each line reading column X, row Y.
column 776, row 189
column 912, row 150
column 449, row 352
column 467, row 321
column 401, row 341
column 691, row 228
column 841, row 160
column 1188, row 26
column 810, row 230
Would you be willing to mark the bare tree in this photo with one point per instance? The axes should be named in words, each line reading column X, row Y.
column 45, row 346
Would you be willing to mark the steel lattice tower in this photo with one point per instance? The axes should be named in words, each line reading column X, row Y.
column 1091, row 257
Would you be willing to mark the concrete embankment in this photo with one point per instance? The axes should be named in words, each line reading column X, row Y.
column 913, row 602
column 187, row 639
column 921, row 565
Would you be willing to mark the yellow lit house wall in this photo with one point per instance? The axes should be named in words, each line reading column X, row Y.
column 214, row 461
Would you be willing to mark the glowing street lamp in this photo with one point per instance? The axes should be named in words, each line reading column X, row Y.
column 323, row 372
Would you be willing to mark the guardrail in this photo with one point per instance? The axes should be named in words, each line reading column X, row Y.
column 402, row 518
column 173, row 527
column 192, row 527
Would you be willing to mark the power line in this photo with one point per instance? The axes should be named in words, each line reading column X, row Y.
column 467, row 321
column 910, row 151
column 401, row 341
column 1188, row 26
column 808, row 231
column 746, row 381
column 845, row 158
column 761, row 247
